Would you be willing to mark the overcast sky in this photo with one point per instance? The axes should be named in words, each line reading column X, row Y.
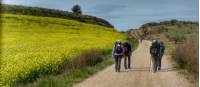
column 124, row 14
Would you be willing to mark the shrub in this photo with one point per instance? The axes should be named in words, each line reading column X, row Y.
column 134, row 42
column 176, row 36
column 186, row 55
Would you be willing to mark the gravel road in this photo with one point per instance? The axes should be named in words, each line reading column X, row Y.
column 139, row 75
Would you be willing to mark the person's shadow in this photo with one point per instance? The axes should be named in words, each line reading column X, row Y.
column 148, row 69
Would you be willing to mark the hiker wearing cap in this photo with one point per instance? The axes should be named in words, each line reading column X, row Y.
column 127, row 54
column 154, row 51
column 117, row 54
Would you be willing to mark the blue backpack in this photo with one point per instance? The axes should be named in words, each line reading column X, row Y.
column 118, row 48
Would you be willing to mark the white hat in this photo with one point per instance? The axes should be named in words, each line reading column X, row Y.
column 154, row 41
column 118, row 41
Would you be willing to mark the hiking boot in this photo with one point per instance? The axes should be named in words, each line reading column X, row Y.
column 118, row 70
column 159, row 68
column 154, row 69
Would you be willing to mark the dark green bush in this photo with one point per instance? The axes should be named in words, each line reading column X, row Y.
column 76, row 9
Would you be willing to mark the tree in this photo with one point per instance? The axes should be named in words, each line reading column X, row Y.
column 174, row 21
column 76, row 9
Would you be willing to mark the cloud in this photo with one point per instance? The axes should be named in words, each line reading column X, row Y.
column 106, row 9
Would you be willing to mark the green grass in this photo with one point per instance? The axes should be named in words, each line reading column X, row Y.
column 33, row 46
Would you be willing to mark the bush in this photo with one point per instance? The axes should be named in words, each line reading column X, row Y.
column 89, row 58
column 176, row 35
column 134, row 42
column 186, row 55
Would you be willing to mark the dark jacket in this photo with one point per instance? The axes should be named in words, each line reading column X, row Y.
column 155, row 49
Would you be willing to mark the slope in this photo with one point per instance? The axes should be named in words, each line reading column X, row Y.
column 33, row 46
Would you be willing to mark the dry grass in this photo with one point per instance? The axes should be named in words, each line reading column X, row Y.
column 87, row 58
column 186, row 55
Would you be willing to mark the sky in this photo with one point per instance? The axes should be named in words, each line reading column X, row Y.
column 124, row 14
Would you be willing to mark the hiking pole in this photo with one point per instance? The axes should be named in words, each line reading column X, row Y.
column 150, row 65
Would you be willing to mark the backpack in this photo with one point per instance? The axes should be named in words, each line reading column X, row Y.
column 118, row 48
column 155, row 49
column 126, row 49
column 162, row 48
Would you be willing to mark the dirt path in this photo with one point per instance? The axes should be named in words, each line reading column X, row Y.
column 139, row 75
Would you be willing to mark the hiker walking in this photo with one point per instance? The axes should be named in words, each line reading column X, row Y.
column 154, row 51
column 117, row 54
column 141, row 38
column 127, row 54
column 161, row 53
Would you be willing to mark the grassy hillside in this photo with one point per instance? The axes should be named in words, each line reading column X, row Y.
column 45, row 12
column 32, row 46
column 176, row 31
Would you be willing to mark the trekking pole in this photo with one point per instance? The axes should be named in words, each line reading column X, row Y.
column 150, row 65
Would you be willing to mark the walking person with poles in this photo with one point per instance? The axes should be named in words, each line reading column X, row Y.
column 117, row 54
column 127, row 54
column 154, row 51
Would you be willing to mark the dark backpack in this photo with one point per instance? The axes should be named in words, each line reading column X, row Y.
column 162, row 48
column 126, row 51
column 126, row 48
column 118, row 48
column 155, row 48
column 154, row 51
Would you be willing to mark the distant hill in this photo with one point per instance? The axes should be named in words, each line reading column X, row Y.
column 136, row 33
column 45, row 12
column 169, row 28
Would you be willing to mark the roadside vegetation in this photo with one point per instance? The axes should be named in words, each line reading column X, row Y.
column 74, row 70
column 186, row 54
column 77, row 69
column 134, row 43
column 35, row 47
